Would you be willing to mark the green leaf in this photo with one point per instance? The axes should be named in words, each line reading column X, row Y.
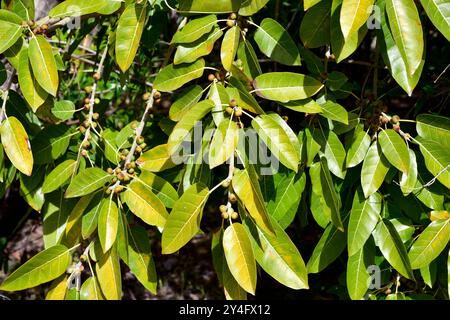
column 190, row 52
column 187, row 99
column 330, row 195
column 249, row 192
column 58, row 288
column 232, row 289
column 90, row 290
column 358, row 279
column 87, row 181
column 358, row 149
column 250, row 63
column 434, row 127
column 43, row 267
column 408, row 180
column 51, row 143
column 89, row 220
column 63, row 109
column 334, row 111
column 145, row 204
column 431, row 242
column 108, row 275
column 278, row 255
column 173, row 77
column 17, row 145
column 58, row 176
column 219, row 95
column 284, row 203
column 224, row 143
column 394, row 149
column 307, row 4
column 239, row 92
column 195, row 29
column 160, row 187
column 393, row 58
column 333, row 150
column 364, row 217
column 428, row 274
column 392, row 248
column 407, row 31
column 9, row 34
column 43, row 64
column 73, row 226
column 184, row 220
column 330, row 246
column 140, row 258
column 354, row 13
column 279, row 138
column 439, row 14
column 286, row 86
column 31, row 90
column 201, row 6
column 24, row 9
column 240, row 257
column 374, row 169
column 76, row 8
column 108, row 223
column 315, row 25
column 186, row 124
column 320, row 209
column 276, row 43
column 437, row 160
column 230, row 44
column 156, row 159
column 128, row 34
column 250, row 7
column 305, row 105
column 312, row 146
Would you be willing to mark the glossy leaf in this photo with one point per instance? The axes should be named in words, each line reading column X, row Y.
column 354, row 13
column 408, row 180
column 334, row 111
column 75, row 8
column 156, row 159
column 330, row 195
column 434, row 127
column 436, row 160
column 58, row 176
column 201, row 6
column 276, row 43
column 230, row 44
column 108, row 223
column 9, row 34
column 63, row 109
column 407, row 31
column 173, row 77
column 108, row 274
column 160, row 187
column 374, row 170
column 250, row 7
column 394, row 149
column 128, row 34
column 240, row 257
column 358, row 149
column 315, row 25
column 224, row 143
column 364, row 217
column 17, row 145
column 43, row 267
column 392, row 248
column 286, row 86
column 43, row 64
column 439, row 13
column 248, row 190
column 333, row 150
column 358, row 279
column 249, row 59
column 145, row 204
column 431, row 242
column 185, row 102
column 278, row 256
column 279, row 138
column 184, row 220
column 195, row 29
column 90, row 290
column 87, row 181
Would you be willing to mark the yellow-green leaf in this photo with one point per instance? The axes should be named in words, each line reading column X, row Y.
column 230, row 44
column 354, row 13
column 43, row 64
column 394, row 149
column 156, row 159
column 374, row 169
column 224, row 143
column 17, row 145
column 194, row 29
column 108, row 274
column 9, row 34
column 128, row 34
column 173, row 77
column 43, row 267
column 239, row 255
column 108, row 222
column 87, row 181
column 184, row 220
column 58, row 176
column 90, row 290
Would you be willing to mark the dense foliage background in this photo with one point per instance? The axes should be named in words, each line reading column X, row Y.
column 327, row 175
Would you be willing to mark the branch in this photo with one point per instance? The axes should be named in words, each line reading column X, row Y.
column 7, row 85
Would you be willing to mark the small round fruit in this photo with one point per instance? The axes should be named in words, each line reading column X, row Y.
column 238, row 111
column 118, row 189
column 86, row 144
column 123, row 157
column 140, row 139
column 110, row 170
column 233, row 103
column 125, row 152
column 97, row 76
column 157, row 95
column 82, row 129
column 233, row 16
column 396, row 128
column 395, row 119
column 86, row 123
column 225, row 215
column 234, row 215
column 134, row 125
column 83, row 258
column 138, row 149
column 230, row 23
column 96, row 100
column 226, row 183
column 133, row 164
column 232, row 198
column 211, row 77
column 84, row 153
column 131, row 171
column 87, row 100
column 95, row 116
column 121, row 176
column 229, row 110
column 223, row 208
column 146, row 96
